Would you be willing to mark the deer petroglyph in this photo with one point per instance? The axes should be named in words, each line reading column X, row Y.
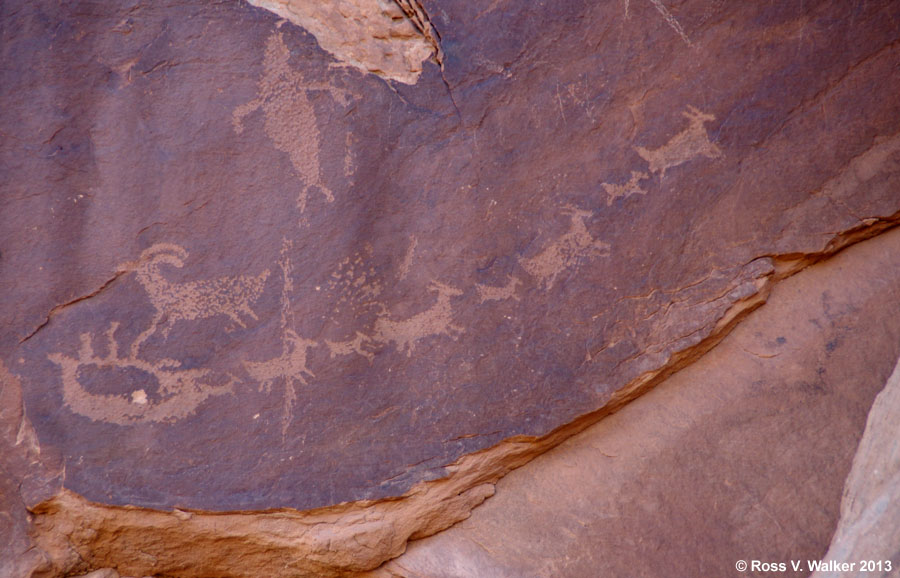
column 437, row 320
column 632, row 187
column 565, row 252
column 687, row 145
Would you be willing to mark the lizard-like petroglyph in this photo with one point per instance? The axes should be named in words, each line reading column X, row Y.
column 492, row 293
column 576, row 244
column 191, row 300
column 290, row 118
column 437, row 320
column 178, row 393
column 689, row 144
column 632, row 187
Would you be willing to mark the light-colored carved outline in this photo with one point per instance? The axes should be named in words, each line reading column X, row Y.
column 492, row 293
column 684, row 146
column 290, row 367
column 191, row 300
column 623, row 191
column 290, row 117
column 181, row 390
column 436, row 320
column 566, row 251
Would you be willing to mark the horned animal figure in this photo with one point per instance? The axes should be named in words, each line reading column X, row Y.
column 190, row 300
column 436, row 320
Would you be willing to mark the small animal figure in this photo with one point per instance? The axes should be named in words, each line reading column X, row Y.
column 436, row 320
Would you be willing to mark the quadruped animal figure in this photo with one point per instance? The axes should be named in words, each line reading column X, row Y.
column 192, row 300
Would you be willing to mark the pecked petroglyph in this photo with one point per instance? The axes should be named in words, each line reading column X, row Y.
column 632, row 187
column 683, row 147
column 355, row 281
column 191, row 300
column 408, row 257
column 575, row 245
column 492, row 293
column 179, row 391
column 291, row 366
column 356, row 345
column 290, row 118
column 437, row 320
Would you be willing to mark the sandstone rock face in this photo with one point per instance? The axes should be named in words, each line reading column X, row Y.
column 741, row 456
column 867, row 540
column 243, row 277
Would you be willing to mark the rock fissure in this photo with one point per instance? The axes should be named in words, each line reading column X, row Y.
column 57, row 308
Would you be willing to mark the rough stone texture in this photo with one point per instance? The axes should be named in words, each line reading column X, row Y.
column 868, row 534
column 28, row 475
column 384, row 37
column 742, row 455
column 239, row 275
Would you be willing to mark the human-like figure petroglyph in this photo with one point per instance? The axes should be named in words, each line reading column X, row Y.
column 492, row 293
column 565, row 252
column 290, row 118
column 178, row 393
column 191, row 300
column 632, row 187
column 437, row 320
column 291, row 366
column 689, row 144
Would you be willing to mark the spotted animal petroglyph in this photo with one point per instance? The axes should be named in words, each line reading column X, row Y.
column 492, row 293
column 290, row 118
column 191, row 300
column 632, row 187
column 565, row 252
column 687, row 145
column 437, row 320
column 177, row 394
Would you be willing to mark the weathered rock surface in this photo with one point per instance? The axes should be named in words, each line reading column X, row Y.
column 741, row 456
column 867, row 540
column 238, row 275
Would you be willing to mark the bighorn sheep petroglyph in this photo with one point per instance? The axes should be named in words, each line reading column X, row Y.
column 190, row 300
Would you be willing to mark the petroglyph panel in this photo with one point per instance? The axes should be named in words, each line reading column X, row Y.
column 496, row 251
